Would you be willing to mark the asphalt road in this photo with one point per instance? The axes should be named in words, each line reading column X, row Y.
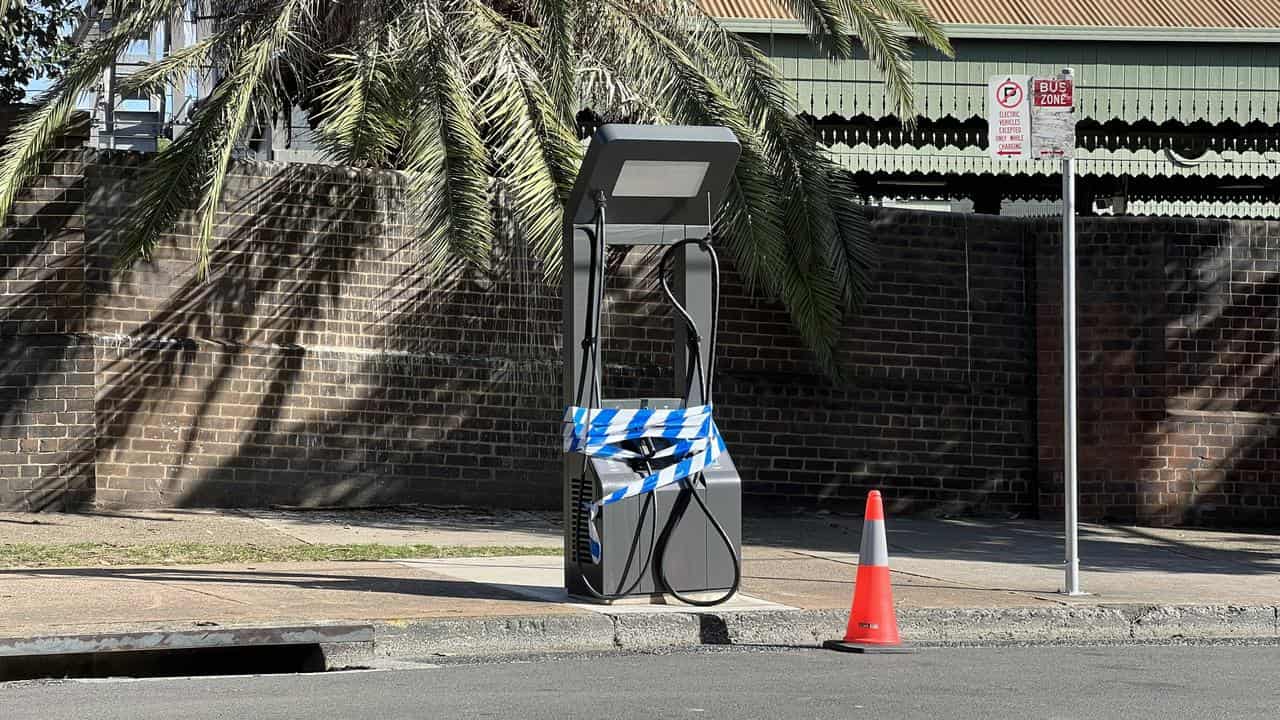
column 1057, row 682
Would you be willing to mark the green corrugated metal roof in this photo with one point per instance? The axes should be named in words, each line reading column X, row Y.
column 1156, row 81
column 973, row 160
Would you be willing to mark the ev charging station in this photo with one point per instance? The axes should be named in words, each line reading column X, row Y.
column 652, row 501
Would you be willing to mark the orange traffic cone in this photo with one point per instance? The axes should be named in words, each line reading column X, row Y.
column 873, row 626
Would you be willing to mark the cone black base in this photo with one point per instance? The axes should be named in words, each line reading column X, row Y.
column 865, row 649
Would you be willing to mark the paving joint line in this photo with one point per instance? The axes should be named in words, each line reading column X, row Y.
column 959, row 583
column 276, row 530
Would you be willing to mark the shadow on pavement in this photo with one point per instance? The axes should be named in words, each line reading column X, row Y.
column 305, row 580
column 1103, row 548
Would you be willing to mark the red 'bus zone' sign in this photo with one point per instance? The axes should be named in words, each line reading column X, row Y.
column 1052, row 92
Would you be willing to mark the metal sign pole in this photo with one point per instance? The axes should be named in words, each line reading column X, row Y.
column 1071, row 490
column 1030, row 118
column 1070, row 480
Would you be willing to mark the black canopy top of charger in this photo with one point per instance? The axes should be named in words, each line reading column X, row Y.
column 655, row 174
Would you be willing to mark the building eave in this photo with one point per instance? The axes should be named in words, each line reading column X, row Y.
column 1043, row 32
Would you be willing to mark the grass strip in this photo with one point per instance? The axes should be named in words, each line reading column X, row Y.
column 105, row 555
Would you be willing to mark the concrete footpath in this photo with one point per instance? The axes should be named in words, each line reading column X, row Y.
column 955, row 582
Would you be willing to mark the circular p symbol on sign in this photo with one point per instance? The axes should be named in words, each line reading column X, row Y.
column 1009, row 94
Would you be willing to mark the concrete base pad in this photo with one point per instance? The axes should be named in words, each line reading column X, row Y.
column 542, row 578
column 662, row 599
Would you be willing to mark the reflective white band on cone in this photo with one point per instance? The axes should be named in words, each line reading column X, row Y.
column 875, row 546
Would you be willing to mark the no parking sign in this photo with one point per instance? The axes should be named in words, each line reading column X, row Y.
column 1009, row 117
column 1030, row 118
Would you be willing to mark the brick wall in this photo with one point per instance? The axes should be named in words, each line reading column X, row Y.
column 937, row 407
column 1120, row 405
column 1220, row 434
column 325, row 361
column 46, row 423
column 1179, row 405
column 46, row 362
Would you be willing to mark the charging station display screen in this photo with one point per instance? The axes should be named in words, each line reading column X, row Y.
column 660, row 178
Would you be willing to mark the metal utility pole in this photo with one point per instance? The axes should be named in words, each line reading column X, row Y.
column 1071, row 489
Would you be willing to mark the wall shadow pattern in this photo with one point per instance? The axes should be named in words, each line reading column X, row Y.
column 1178, row 346
column 324, row 361
column 320, row 363
column 46, row 359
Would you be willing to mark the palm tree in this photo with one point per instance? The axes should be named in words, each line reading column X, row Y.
column 462, row 94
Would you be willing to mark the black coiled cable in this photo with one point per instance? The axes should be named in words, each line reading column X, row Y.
column 688, row 486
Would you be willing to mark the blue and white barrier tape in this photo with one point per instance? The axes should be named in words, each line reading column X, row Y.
column 695, row 443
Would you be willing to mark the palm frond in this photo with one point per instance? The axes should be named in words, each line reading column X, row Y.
column 852, row 252
column 35, row 133
column 354, row 125
column 444, row 153
column 555, row 20
column 193, row 170
column 169, row 186
column 828, row 25
column 890, row 53
column 182, row 62
column 809, row 288
column 535, row 153
column 840, row 232
column 797, row 226
column 917, row 18
column 469, row 97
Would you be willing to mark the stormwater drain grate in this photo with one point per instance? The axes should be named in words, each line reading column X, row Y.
column 225, row 651
column 250, row 660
